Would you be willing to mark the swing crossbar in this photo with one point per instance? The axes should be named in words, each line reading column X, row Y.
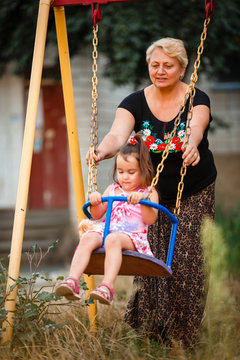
column 134, row 263
column 83, row 2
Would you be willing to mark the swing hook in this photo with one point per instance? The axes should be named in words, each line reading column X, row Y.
column 96, row 13
column 209, row 8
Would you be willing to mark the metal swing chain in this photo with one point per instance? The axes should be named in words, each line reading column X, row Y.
column 92, row 168
column 190, row 93
column 166, row 150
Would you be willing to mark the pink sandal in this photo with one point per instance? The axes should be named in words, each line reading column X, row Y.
column 67, row 289
column 102, row 295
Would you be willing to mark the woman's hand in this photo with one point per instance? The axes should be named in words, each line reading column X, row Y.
column 120, row 131
column 95, row 198
column 191, row 154
column 97, row 156
column 199, row 122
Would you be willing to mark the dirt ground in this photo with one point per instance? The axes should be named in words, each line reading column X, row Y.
column 228, row 180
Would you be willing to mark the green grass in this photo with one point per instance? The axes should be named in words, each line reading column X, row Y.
column 229, row 222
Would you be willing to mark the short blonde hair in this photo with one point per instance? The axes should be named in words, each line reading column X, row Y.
column 172, row 47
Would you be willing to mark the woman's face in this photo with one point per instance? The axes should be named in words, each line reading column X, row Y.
column 164, row 71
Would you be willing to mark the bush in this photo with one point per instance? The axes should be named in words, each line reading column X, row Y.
column 37, row 305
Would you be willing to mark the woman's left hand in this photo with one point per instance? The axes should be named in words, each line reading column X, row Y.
column 191, row 154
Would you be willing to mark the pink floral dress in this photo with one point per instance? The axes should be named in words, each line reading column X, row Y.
column 127, row 218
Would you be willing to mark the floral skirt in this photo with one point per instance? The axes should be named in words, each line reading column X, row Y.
column 172, row 308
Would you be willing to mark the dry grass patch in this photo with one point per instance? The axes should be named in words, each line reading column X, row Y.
column 219, row 336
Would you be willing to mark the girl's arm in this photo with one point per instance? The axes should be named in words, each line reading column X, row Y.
column 198, row 124
column 149, row 214
column 120, row 131
column 98, row 208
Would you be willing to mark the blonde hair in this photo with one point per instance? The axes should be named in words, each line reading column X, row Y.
column 172, row 47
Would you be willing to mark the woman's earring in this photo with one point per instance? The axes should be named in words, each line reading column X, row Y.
column 181, row 77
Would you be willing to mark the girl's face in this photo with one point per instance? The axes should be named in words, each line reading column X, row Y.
column 128, row 173
column 164, row 71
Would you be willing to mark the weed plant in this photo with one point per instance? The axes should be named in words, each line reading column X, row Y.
column 36, row 311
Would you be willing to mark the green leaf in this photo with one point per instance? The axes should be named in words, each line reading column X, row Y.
column 34, row 247
column 30, row 313
column 45, row 296
column 53, row 245
column 12, row 287
column 90, row 301
column 60, row 278
column 84, row 285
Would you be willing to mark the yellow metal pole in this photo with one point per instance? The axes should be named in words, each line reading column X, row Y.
column 72, row 132
column 25, row 166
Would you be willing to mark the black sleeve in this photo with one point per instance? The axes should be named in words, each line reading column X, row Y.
column 132, row 103
column 201, row 98
column 135, row 105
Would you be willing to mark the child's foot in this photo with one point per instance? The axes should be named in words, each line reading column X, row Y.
column 68, row 288
column 103, row 293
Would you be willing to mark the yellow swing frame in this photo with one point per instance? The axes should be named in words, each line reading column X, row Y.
column 27, row 152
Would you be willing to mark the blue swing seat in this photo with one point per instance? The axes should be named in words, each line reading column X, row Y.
column 133, row 262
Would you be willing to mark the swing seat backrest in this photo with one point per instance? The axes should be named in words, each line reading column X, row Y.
column 133, row 262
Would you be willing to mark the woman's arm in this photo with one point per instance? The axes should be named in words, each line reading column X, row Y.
column 120, row 131
column 198, row 124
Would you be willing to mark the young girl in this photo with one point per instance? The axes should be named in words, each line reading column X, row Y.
column 133, row 172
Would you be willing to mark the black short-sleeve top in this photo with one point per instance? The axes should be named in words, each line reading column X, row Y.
column 156, row 133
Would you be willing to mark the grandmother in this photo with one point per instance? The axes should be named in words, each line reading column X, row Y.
column 170, row 309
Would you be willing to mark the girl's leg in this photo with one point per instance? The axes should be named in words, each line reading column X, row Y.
column 70, row 286
column 114, row 244
column 88, row 243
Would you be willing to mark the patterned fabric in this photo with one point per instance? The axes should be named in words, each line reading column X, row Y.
column 156, row 145
column 172, row 308
column 127, row 218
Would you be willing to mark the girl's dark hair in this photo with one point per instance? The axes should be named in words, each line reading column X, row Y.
column 140, row 151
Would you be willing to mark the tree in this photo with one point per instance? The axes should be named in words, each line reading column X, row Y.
column 126, row 30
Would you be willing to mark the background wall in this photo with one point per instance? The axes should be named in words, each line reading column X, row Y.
column 225, row 141
column 11, row 134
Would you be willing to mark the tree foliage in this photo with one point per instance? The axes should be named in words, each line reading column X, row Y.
column 125, row 31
